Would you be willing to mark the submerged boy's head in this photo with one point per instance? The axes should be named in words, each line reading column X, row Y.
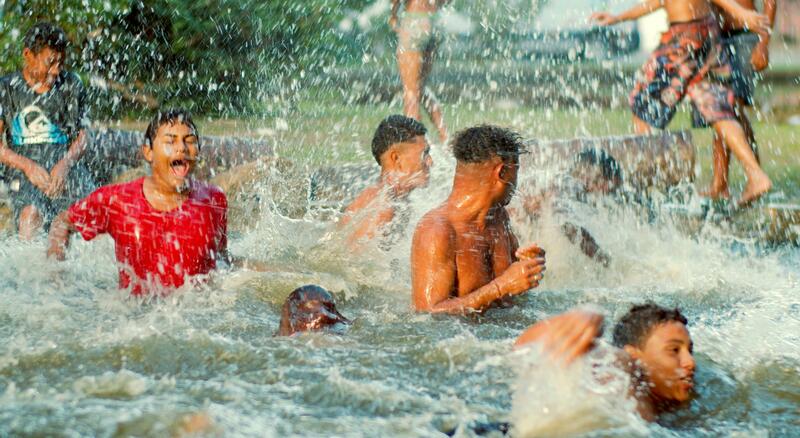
column 309, row 308
column 492, row 154
column 45, row 47
column 399, row 146
column 658, row 339
column 171, row 147
column 597, row 171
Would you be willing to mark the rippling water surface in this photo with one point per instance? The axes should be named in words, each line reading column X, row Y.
column 77, row 358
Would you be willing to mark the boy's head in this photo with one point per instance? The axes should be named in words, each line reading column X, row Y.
column 399, row 146
column 493, row 153
column 45, row 47
column 309, row 308
column 658, row 339
column 597, row 171
column 171, row 147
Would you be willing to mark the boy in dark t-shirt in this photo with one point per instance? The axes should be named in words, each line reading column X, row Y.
column 166, row 226
column 43, row 121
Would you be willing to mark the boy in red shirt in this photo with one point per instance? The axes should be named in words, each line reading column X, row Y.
column 165, row 226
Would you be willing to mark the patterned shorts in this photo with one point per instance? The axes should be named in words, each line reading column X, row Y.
column 679, row 67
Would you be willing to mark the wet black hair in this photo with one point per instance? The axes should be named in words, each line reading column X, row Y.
column 46, row 35
column 481, row 143
column 171, row 116
column 602, row 159
column 635, row 327
column 392, row 130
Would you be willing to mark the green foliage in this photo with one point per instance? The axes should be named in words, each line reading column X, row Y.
column 220, row 56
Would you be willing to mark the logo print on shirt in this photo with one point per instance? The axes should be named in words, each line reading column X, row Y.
column 31, row 126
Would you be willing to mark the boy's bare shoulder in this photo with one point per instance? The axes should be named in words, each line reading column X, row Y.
column 363, row 199
column 434, row 226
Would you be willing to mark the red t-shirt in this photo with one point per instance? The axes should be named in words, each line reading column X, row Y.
column 161, row 248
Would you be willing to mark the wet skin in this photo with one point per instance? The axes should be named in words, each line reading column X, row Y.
column 309, row 308
column 40, row 71
column 404, row 168
column 464, row 256
column 662, row 368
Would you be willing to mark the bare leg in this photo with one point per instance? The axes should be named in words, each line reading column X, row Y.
column 734, row 137
column 409, row 63
column 429, row 101
column 721, row 159
column 741, row 115
column 30, row 222
column 640, row 126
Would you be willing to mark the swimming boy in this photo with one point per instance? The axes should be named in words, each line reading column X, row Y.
column 417, row 41
column 655, row 348
column 748, row 52
column 166, row 226
column 43, row 122
column 400, row 148
column 309, row 308
column 679, row 67
column 464, row 256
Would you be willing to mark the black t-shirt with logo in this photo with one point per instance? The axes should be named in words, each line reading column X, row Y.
column 42, row 126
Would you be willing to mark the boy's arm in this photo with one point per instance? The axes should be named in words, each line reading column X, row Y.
column 565, row 337
column 580, row 236
column 58, row 238
column 760, row 56
column 393, row 15
column 752, row 20
column 640, row 10
column 37, row 175
column 58, row 174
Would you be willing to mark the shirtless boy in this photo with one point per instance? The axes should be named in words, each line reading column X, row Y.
column 310, row 308
column 679, row 67
column 166, row 226
column 748, row 53
column 400, row 148
column 464, row 256
column 417, row 41
column 42, row 131
column 655, row 348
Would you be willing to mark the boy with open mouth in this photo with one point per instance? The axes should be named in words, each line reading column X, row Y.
column 166, row 226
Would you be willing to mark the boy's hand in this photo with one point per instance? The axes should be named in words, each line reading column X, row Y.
column 56, row 250
column 520, row 277
column 760, row 56
column 38, row 176
column 603, row 18
column 58, row 178
column 529, row 252
column 565, row 337
column 755, row 22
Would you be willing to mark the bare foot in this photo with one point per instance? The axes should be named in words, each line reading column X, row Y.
column 756, row 187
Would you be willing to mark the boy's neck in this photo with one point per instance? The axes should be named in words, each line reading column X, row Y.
column 163, row 197
column 33, row 84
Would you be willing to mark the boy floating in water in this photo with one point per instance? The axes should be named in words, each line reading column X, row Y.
column 309, row 308
column 655, row 348
column 689, row 50
column 417, row 41
column 166, row 226
column 464, row 256
column 43, row 121
column 400, row 148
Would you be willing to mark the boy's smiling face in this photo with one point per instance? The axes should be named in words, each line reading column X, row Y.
column 173, row 155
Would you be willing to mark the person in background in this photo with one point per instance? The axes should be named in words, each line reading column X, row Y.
column 43, row 121
column 400, row 148
column 417, row 41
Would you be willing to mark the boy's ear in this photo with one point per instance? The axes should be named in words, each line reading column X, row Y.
column 147, row 152
column 499, row 171
column 393, row 157
column 632, row 351
column 27, row 54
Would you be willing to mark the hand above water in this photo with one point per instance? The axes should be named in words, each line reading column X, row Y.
column 565, row 337
column 521, row 276
column 759, row 58
column 603, row 18
column 38, row 176
column 58, row 179
column 529, row 252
